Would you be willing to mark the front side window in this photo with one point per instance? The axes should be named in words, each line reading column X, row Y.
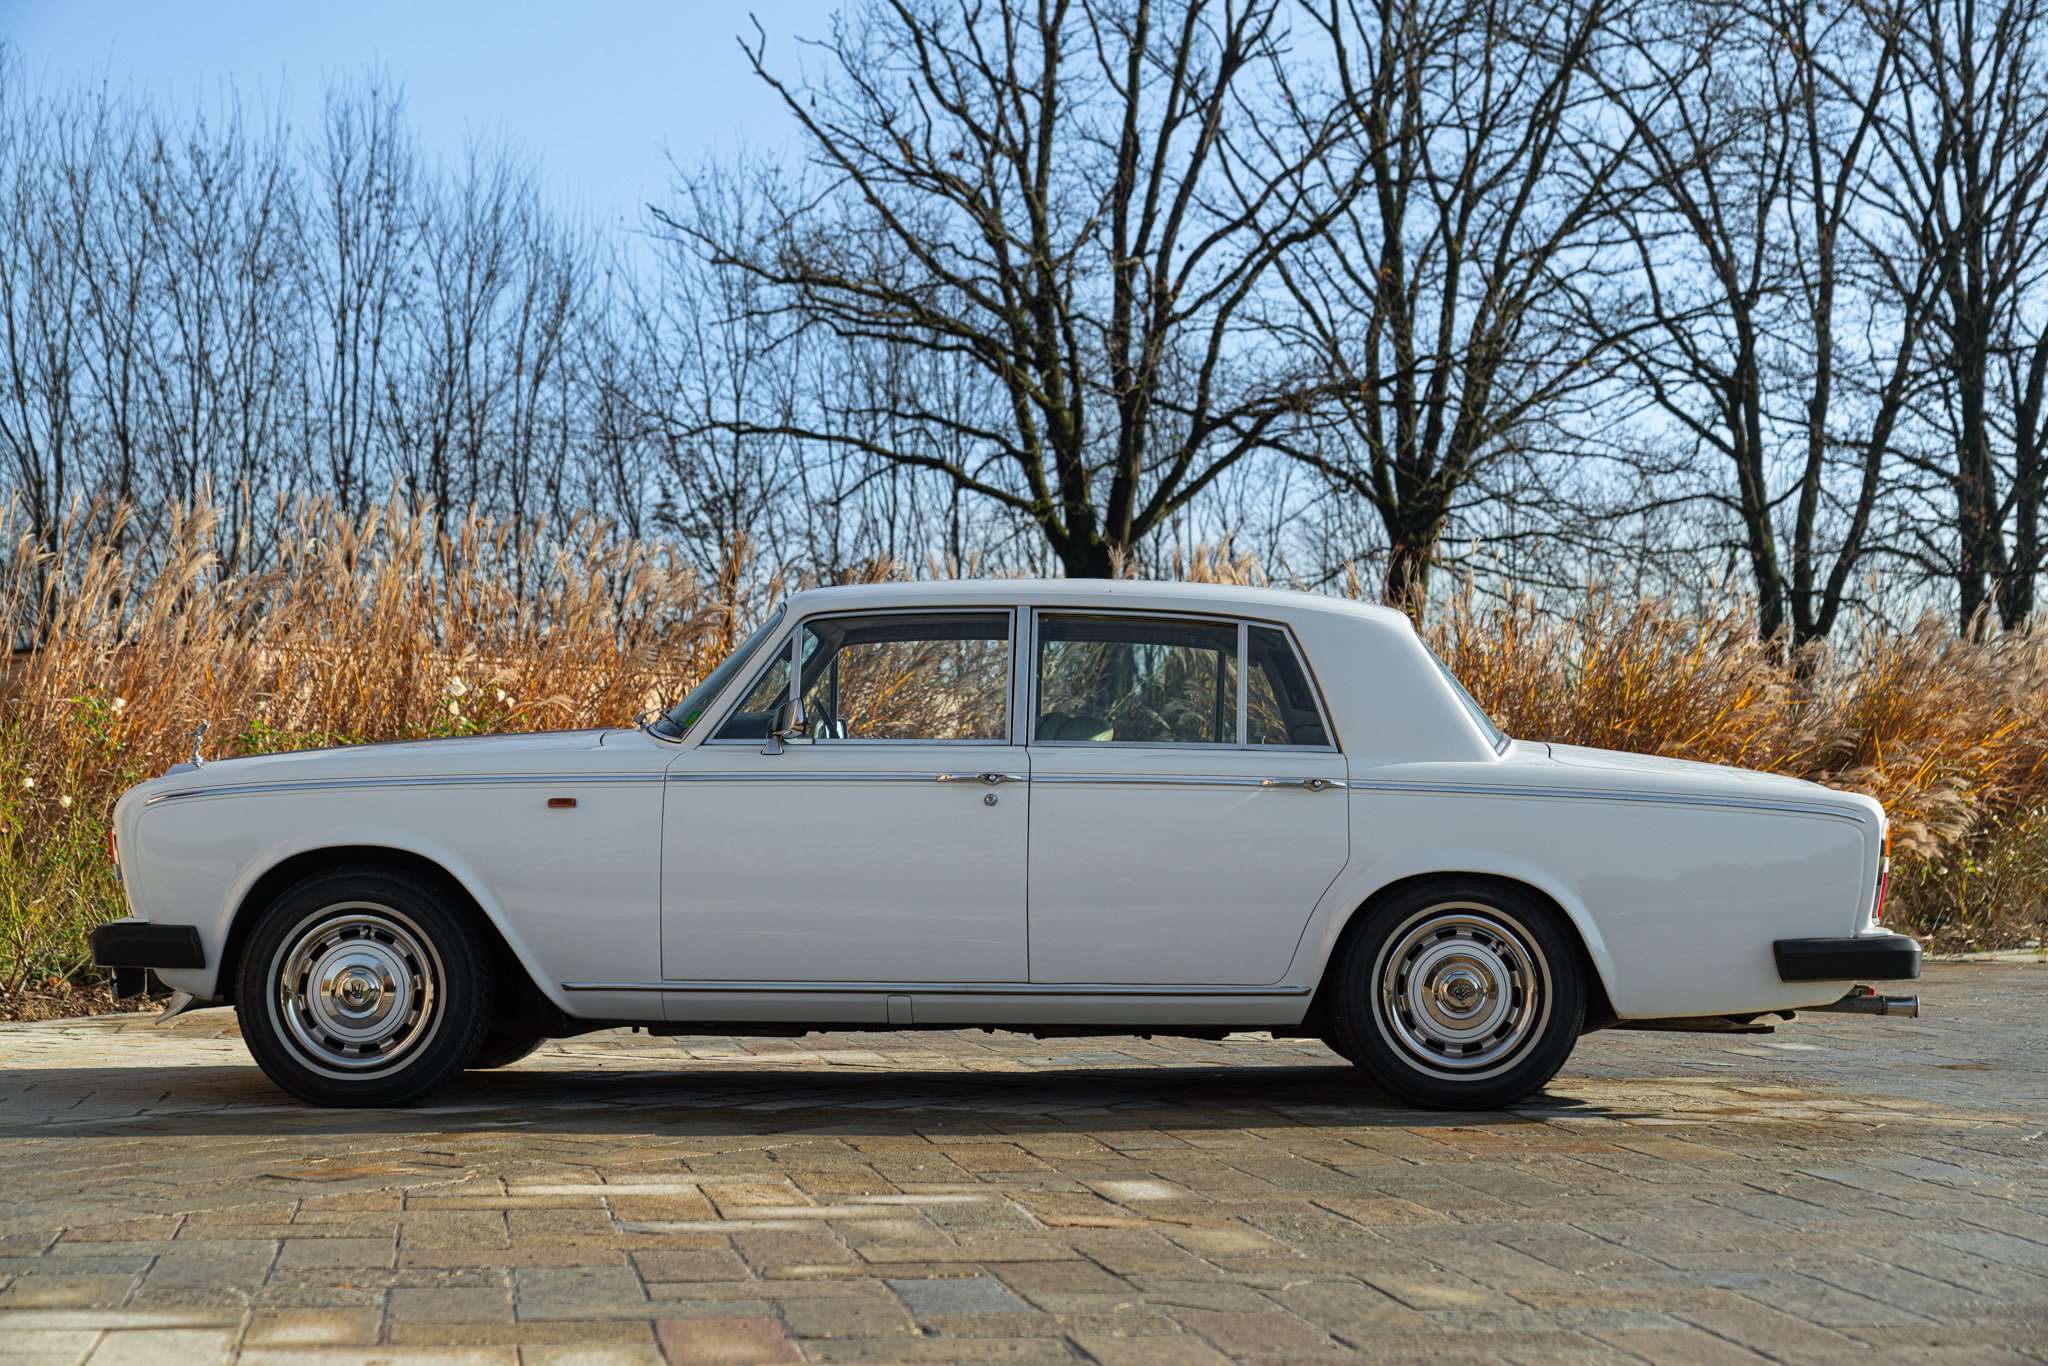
column 1123, row 680
column 893, row 676
column 678, row 720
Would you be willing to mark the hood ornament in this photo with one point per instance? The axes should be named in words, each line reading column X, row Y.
column 199, row 737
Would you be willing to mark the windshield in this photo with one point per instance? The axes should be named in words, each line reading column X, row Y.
column 676, row 722
column 1495, row 736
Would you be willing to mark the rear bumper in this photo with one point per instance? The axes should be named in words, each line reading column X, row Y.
column 1862, row 957
column 130, row 948
column 142, row 944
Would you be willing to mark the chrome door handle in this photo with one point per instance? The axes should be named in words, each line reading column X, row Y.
column 1306, row 784
column 990, row 778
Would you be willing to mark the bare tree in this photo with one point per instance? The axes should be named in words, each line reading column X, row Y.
column 1449, row 300
column 219, row 349
column 1078, row 203
column 1755, row 127
column 1964, row 192
column 42, row 294
column 359, row 233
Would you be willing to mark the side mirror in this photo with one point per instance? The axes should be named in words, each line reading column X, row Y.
column 785, row 722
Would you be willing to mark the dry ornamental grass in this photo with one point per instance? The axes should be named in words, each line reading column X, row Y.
column 385, row 628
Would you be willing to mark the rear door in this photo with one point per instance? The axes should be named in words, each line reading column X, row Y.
column 1188, row 806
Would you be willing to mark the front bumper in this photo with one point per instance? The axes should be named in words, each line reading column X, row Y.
column 131, row 947
column 1862, row 957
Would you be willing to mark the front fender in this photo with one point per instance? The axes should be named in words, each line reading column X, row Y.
column 574, row 893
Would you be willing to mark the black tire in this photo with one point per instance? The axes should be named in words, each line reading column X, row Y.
column 504, row 1049
column 407, row 988
column 1459, row 994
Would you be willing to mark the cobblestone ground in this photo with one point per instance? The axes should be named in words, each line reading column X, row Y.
column 1845, row 1190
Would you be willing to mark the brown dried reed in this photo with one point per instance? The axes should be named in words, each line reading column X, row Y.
column 383, row 627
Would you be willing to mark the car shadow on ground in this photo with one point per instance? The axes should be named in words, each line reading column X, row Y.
column 551, row 1096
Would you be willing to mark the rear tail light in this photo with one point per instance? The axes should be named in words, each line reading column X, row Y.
column 1884, row 878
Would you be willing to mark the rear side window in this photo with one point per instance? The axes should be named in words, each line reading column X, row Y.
column 1495, row 736
column 1123, row 680
column 1280, row 707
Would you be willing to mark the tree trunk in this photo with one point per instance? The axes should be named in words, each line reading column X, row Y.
column 1410, row 555
column 1091, row 559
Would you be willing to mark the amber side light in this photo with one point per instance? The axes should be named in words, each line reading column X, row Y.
column 113, row 853
column 561, row 803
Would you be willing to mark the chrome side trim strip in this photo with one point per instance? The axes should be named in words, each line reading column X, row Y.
column 447, row 780
column 788, row 777
column 1163, row 780
column 1609, row 795
column 932, row 989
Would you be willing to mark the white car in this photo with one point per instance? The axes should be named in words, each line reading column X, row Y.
column 1060, row 807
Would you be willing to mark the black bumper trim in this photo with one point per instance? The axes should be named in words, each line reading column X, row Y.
column 140, row 944
column 1867, row 957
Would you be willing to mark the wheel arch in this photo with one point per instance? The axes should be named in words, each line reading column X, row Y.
column 514, row 977
column 1599, row 1006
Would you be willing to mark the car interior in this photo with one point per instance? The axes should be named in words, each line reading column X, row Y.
column 1101, row 680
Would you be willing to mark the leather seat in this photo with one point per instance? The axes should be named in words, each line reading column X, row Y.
column 1087, row 729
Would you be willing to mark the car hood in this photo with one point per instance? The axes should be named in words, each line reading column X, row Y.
column 536, row 752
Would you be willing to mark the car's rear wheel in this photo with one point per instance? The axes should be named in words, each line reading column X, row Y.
column 1461, row 994
column 363, row 986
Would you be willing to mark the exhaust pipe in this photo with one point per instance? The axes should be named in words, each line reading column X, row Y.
column 1865, row 1001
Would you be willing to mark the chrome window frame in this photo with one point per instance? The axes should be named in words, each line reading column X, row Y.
column 1028, row 714
column 792, row 644
column 1315, row 690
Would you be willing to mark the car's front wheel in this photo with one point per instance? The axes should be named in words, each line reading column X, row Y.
column 1461, row 994
column 503, row 1048
column 363, row 986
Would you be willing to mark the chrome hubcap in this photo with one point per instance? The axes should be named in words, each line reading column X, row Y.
column 1461, row 989
column 357, row 988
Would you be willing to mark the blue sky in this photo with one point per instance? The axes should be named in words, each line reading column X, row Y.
column 594, row 91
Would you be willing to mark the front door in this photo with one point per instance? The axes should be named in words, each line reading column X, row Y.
column 1183, row 828
column 885, row 842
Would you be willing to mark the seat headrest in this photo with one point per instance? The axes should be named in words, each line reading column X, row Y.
column 1093, row 729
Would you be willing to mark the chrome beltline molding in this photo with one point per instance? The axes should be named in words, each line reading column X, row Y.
column 919, row 776
column 933, row 989
column 1610, row 795
column 1443, row 789
column 1168, row 780
column 443, row 780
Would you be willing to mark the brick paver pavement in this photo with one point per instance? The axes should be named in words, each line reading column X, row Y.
column 1845, row 1190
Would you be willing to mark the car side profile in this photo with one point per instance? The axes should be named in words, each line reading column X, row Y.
column 1061, row 807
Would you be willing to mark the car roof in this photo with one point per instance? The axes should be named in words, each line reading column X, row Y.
column 1122, row 594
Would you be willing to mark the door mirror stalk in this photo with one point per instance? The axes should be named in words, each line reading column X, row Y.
column 784, row 723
